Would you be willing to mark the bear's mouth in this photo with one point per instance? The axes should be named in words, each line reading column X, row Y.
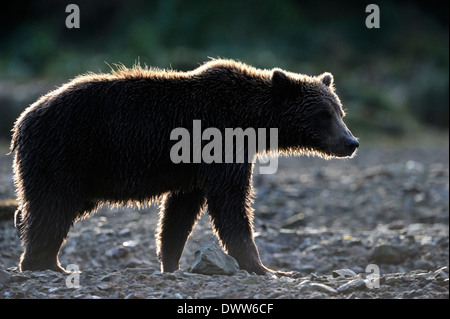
column 336, row 151
column 349, row 154
column 340, row 147
column 343, row 150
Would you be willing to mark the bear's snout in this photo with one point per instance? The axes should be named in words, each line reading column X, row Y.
column 345, row 146
column 351, row 144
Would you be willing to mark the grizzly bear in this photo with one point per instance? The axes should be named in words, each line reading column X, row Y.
column 105, row 138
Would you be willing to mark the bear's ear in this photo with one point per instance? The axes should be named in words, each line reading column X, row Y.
column 327, row 79
column 281, row 82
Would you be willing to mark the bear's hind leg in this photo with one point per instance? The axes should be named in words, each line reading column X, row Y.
column 42, row 235
column 179, row 212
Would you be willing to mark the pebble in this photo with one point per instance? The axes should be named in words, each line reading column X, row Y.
column 390, row 254
column 211, row 260
column 135, row 296
column 117, row 252
column 108, row 277
column 323, row 288
column 5, row 277
column 442, row 273
column 352, row 285
column 423, row 264
column 343, row 273
column 104, row 286
column 295, row 221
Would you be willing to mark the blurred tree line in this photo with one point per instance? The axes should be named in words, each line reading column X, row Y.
column 392, row 80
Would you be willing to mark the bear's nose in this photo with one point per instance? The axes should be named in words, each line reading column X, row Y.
column 351, row 144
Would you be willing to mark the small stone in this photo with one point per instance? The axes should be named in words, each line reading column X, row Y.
column 130, row 243
column 423, row 264
column 414, row 167
column 134, row 262
column 344, row 273
column 169, row 275
column 295, row 221
column 275, row 294
column 104, row 286
column 124, row 232
column 323, row 288
column 442, row 273
column 251, row 279
column 355, row 284
column 305, row 282
column 325, row 268
column 285, row 234
column 309, row 286
column 396, row 225
column 211, row 260
column 377, row 171
column 108, row 277
column 18, row 278
column 317, row 295
column 134, row 296
column 5, row 277
column 307, row 268
column 390, row 254
column 117, row 252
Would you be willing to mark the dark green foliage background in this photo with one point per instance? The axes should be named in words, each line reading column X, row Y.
column 393, row 81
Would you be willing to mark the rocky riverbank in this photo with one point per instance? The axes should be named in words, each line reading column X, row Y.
column 375, row 226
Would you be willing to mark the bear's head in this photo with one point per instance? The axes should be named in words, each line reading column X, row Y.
column 310, row 115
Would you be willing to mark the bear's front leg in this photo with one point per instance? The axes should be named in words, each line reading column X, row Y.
column 229, row 198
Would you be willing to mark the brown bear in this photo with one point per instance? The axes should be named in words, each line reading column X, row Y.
column 105, row 138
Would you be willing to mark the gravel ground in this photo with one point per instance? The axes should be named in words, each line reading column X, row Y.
column 335, row 224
